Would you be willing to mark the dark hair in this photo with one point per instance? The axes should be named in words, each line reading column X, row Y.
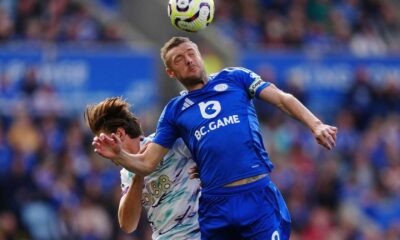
column 111, row 114
column 172, row 43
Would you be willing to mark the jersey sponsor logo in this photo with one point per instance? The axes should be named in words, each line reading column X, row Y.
column 221, row 87
column 214, row 125
column 210, row 109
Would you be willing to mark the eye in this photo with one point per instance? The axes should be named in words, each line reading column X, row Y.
column 178, row 59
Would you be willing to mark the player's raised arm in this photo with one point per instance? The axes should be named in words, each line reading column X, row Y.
column 324, row 134
column 141, row 164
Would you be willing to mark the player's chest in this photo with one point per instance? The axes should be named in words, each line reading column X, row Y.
column 196, row 110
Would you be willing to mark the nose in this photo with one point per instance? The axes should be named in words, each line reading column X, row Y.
column 188, row 60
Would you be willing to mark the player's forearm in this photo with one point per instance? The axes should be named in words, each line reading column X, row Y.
column 130, row 206
column 142, row 164
column 289, row 104
column 297, row 110
column 137, row 163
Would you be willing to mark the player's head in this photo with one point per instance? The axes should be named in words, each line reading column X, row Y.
column 113, row 116
column 183, row 61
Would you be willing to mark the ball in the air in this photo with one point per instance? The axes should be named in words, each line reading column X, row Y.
column 191, row 15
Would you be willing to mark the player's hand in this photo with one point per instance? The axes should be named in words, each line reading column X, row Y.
column 326, row 135
column 108, row 146
column 193, row 173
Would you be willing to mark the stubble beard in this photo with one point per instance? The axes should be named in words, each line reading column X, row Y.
column 194, row 80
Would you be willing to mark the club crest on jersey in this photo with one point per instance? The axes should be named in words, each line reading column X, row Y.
column 210, row 109
column 221, row 87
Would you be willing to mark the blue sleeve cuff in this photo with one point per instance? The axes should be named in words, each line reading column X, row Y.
column 258, row 91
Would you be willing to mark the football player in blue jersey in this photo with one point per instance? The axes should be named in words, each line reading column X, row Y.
column 217, row 121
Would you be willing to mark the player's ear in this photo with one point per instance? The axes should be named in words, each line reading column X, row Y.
column 170, row 73
column 121, row 133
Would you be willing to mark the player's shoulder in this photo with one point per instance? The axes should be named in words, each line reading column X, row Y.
column 147, row 139
column 174, row 101
column 229, row 72
column 172, row 105
column 235, row 70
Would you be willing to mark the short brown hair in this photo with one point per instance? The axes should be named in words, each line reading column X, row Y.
column 173, row 42
column 111, row 114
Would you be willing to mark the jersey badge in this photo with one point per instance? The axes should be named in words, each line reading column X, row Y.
column 221, row 87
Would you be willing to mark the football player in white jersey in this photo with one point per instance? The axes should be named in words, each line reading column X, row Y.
column 168, row 195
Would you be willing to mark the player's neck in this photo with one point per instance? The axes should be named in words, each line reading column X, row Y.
column 197, row 86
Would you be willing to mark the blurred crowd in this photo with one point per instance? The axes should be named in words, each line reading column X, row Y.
column 363, row 27
column 52, row 185
column 56, row 21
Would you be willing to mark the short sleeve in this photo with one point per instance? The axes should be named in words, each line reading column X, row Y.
column 251, row 81
column 126, row 180
column 166, row 132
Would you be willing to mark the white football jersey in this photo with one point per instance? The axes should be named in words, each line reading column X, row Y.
column 169, row 197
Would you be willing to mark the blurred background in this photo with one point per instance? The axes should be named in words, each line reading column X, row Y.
column 341, row 58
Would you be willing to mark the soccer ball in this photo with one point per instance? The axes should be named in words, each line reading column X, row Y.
column 191, row 15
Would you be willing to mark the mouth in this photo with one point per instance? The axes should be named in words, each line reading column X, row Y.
column 192, row 68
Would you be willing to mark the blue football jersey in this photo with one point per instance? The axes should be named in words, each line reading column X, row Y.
column 219, row 125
